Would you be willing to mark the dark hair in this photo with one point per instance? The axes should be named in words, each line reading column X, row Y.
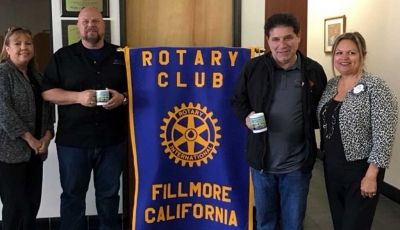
column 17, row 30
column 358, row 40
column 284, row 20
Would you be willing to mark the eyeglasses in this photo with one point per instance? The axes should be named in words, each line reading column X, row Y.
column 13, row 29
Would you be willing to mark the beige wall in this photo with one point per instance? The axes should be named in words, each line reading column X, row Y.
column 253, row 12
column 378, row 22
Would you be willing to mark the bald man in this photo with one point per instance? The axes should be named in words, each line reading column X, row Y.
column 90, row 137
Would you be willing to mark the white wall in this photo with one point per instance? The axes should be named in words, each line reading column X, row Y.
column 377, row 21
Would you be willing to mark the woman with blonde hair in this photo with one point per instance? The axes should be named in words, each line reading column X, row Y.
column 358, row 119
column 26, row 128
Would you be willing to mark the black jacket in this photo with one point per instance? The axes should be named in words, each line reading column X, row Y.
column 18, row 114
column 254, row 92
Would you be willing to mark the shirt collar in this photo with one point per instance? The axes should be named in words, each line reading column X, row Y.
column 79, row 48
column 296, row 65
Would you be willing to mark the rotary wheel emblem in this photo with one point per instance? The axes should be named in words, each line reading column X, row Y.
column 190, row 135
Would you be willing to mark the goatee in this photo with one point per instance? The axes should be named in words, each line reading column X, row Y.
column 92, row 40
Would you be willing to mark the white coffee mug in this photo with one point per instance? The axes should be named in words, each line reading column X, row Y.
column 102, row 97
column 258, row 123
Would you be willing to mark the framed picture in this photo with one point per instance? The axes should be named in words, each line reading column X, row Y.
column 333, row 28
column 71, row 8
column 70, row 33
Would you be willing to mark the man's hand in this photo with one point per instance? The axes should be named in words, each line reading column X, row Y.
column 87, row 98
column 248, row 124
column 115, row 101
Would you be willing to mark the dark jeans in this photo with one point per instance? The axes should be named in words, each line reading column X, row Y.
column 21, row 192
column 76, row 165
column 280, row 195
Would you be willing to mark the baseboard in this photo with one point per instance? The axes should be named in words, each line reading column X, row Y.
column 391, row 192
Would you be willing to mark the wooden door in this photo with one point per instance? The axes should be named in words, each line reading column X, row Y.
column 296, row 7
column 179, row 23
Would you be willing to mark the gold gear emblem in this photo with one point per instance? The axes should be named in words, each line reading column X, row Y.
column 190, row 135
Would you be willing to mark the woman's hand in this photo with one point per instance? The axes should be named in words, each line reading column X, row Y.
column 368, row 183
column 34, row 143
column 368, row 187
column 45, row 142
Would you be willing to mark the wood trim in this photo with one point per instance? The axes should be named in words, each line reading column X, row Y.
column 126, row 178
column 51, row 28
column 237, row 23
column 122, row 21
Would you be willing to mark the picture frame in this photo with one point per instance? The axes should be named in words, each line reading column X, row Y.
column 333, row 27
column 70, row 33
column 71, row 8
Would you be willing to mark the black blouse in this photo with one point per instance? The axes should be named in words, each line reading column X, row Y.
column 37, row 92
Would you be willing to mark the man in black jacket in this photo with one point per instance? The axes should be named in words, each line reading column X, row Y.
column 286, row 86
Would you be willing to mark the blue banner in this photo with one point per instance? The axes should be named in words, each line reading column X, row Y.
column 187, row 145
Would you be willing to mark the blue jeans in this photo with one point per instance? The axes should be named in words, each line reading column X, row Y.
column 280, row 195
column 76, row 165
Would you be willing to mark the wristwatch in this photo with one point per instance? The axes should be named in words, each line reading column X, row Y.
column 125, row 101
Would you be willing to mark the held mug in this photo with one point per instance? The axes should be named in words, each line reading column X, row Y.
column 102, row 97
column 258, row 123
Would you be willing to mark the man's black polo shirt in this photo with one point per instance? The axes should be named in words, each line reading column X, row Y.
column 72, row 68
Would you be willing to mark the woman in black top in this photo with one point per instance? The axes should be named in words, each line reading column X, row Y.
column 358, row 119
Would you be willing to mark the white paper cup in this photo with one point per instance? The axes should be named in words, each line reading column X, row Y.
column 102, row 97
column 258, row 123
